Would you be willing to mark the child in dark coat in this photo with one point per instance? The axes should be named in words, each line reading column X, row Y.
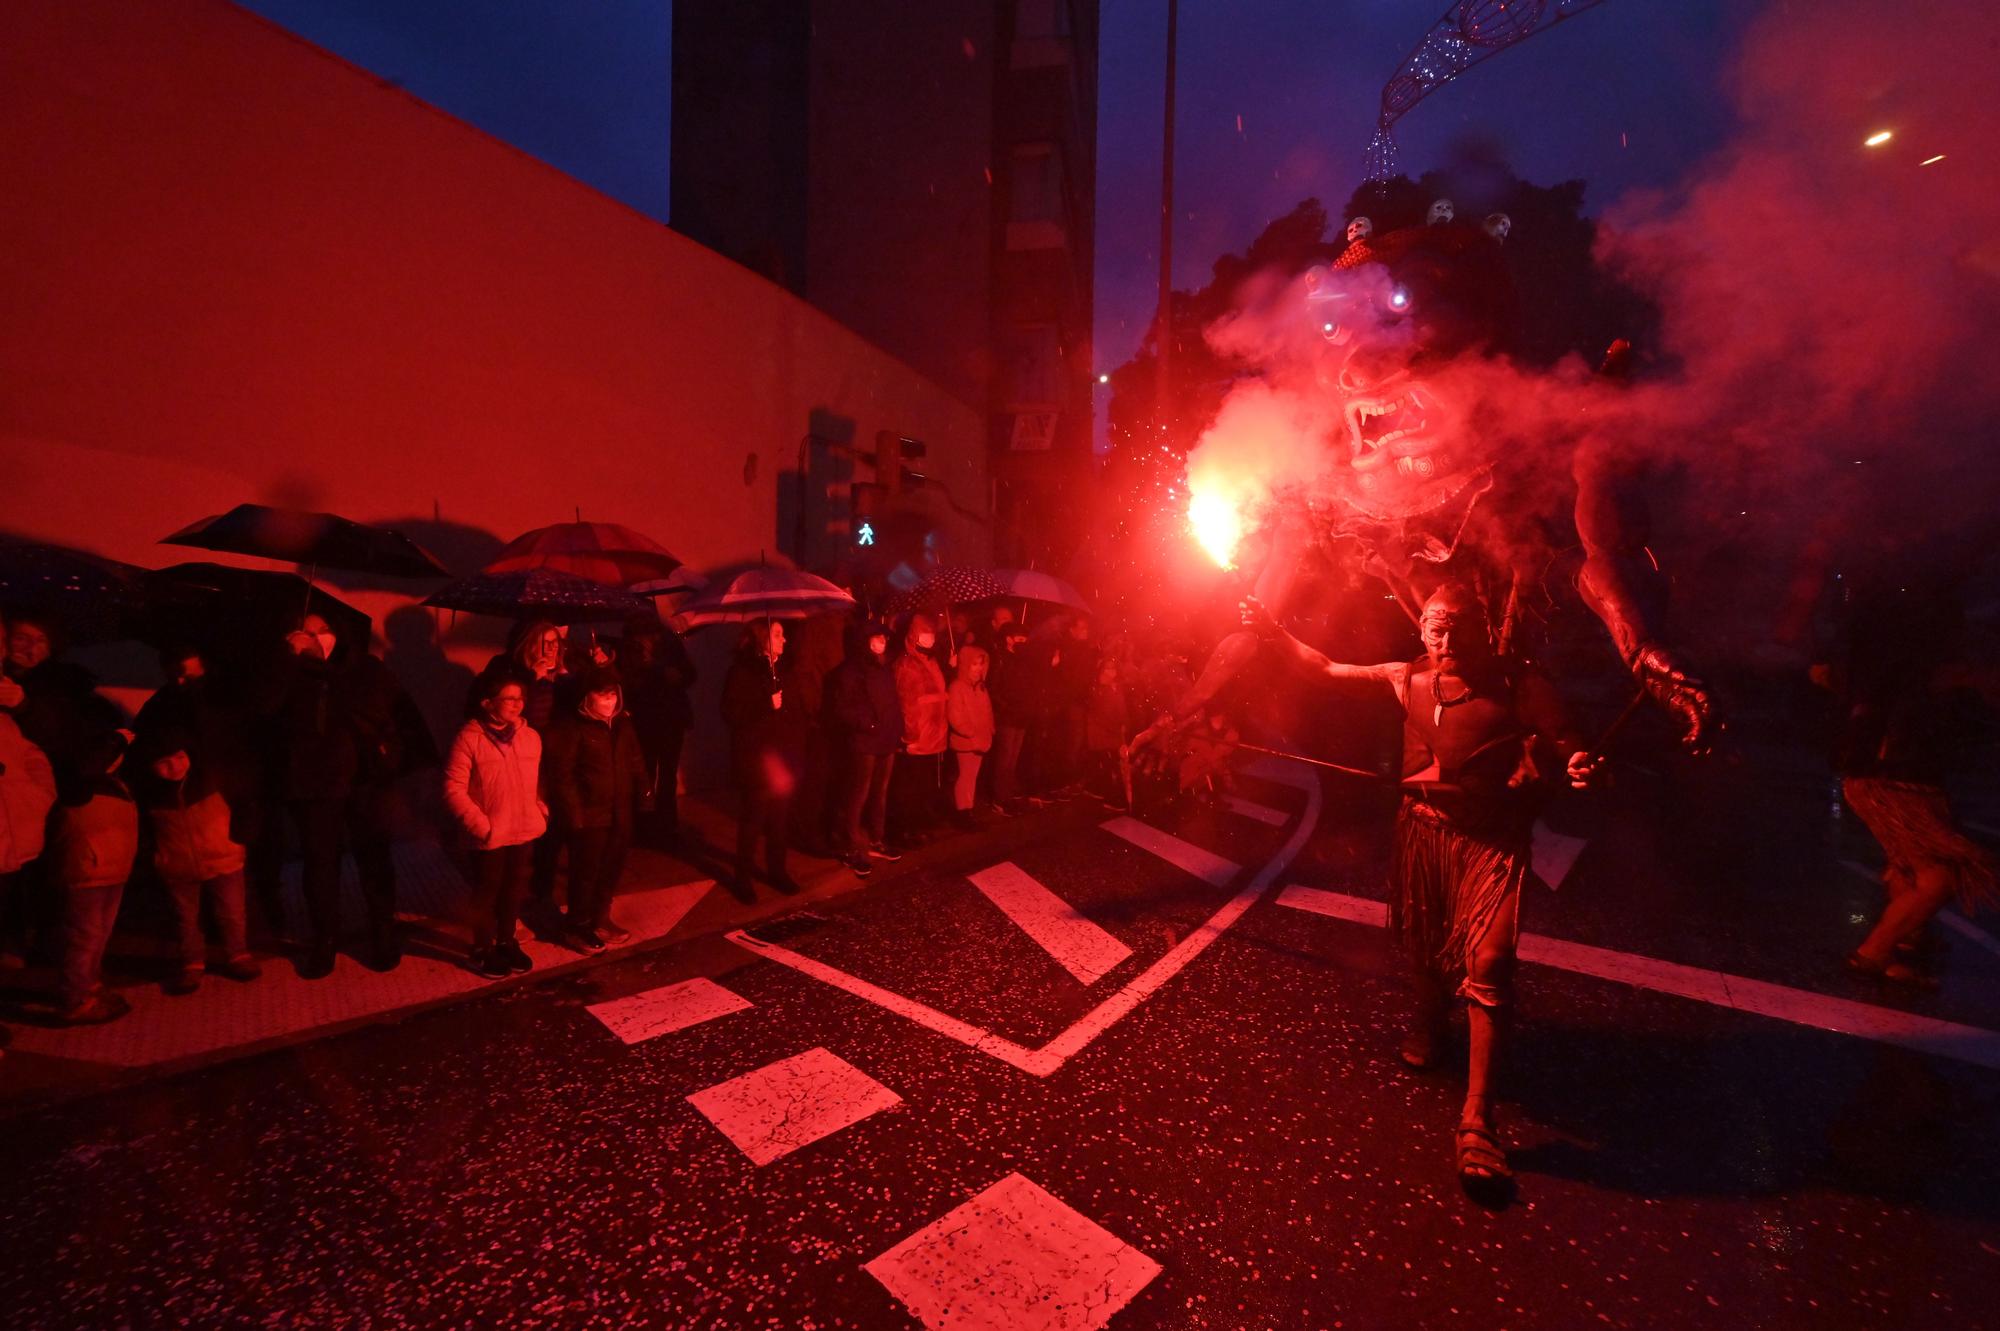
column 96, row 839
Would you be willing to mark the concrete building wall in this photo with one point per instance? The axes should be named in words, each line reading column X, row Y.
column 233, row 267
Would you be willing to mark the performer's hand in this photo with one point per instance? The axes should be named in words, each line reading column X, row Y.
column 1257, row 617
column 1681, row 693
column 1584, row 771
column 10, row 694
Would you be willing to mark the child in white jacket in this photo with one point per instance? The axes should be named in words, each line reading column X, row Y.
column 492, row 787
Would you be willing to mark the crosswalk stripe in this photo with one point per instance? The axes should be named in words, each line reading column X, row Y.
column 662, row 1011
column 1801, row 1007
column 1079, row 946
column 1186, row 855
column 1262, row 813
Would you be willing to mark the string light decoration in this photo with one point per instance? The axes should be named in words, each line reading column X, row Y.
column 1469, row 32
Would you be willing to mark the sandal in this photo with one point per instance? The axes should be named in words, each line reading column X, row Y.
column 1481, row 1162
column 1888, row 972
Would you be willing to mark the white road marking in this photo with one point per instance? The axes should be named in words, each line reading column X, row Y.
column 662, row 1011
column 776, row 1109
column 1082, row 948
column 1041, row 1062
column 1014, row 1258
column 1203, row 864
column 1263, row 813
column 1801, row 1007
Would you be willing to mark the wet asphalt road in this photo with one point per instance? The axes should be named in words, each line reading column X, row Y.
column 508, row 1162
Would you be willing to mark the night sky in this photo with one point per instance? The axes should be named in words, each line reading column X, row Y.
column 1624, row 96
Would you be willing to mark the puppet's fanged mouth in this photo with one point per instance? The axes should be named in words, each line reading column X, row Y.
column 1376, row 425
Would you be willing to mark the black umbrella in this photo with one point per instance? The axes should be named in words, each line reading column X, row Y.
column 946, row 585
column 87, row 594
column 541, row 593
column 317, row 540
column 220, row 605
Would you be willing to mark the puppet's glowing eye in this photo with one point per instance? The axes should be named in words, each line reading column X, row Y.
column 1399, row 298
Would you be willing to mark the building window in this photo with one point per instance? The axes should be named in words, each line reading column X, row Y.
column 1031, row 369
column 1036, row 214
column 1041, row 34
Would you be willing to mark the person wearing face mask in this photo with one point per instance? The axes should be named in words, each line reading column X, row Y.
column 969, row 712
column 763, row 755
column 916, row 791
column 492, row 788
column 340, row 731
column 867, row 717
column 592, row 774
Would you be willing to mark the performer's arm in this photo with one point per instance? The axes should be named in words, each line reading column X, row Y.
column 1307, row 660
column 1623, row 584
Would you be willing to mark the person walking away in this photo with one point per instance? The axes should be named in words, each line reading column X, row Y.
column 195, row 852
column 867, row 721
column 492, row 787
column 95, row 840
column 813, row 650
column 592, row 773
column 1106, row 727
column 969, row 716
column 916, row 788
column 1007, row 681
column 1482, row 737
column 657, row 673
column 762, row 758
column 27, row 794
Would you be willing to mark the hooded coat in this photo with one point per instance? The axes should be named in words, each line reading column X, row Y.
column 920, row 687
column 861, row 696
column 492, row 784
column 968, row 706
column 592, row 769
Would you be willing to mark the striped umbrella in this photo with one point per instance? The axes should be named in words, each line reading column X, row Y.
column 601, row 551
column 763, row 593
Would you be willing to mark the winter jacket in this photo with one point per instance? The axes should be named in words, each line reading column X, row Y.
column 861, row 700
column 96, row 835
column 61, row 712
column 920, row 689
column 214, row 735
column 340, row 725
column 763, row 739
column 968, row 707
column 1007, row 685
column 492, row 784
column 191, row 841
column 27, row 791
column 592, row 770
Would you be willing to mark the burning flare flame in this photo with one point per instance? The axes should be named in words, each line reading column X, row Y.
column 1217, row 523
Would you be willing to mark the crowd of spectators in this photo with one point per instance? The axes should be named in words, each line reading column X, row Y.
column 851, row 740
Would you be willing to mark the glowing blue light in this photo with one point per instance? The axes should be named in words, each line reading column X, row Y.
column 865, row 533
column 1399, row 299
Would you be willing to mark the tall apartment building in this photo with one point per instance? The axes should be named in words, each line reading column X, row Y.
column 926, row 175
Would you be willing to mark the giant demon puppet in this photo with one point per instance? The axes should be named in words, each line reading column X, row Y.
column 1428, row 477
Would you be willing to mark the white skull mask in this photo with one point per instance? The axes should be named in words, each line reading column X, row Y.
column 1498, row 225
column 1440, row 213
column 1359, row 229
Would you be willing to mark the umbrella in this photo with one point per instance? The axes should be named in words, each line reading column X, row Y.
column 601, row 551
column 763, row 593
column 318, row 540
column 221, row 604
column 87, row 594
column 1031, row 585
column 541, row 593
column 947, row 584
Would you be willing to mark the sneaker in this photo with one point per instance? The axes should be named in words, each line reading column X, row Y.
column 860, row 867
column 242, row 969
column 184, row 981
column 612, row 932
column 488, row 962
column 883, row 852
column 317, row 963
column 585, row 939
column 517, row 960
column 96, row 1010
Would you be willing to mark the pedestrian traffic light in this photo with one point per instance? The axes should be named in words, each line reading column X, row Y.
column 867, row 505
column 891, row 451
